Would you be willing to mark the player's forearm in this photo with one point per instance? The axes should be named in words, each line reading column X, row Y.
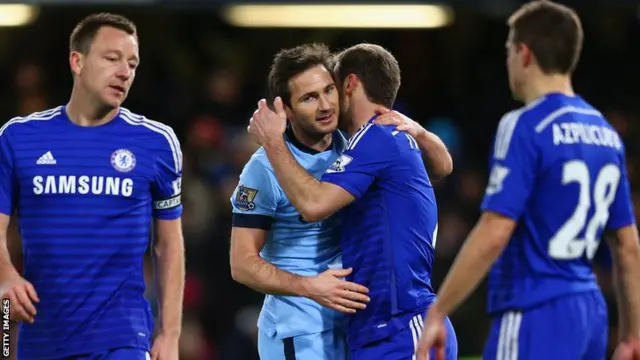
column 7, row 268
column 260, row 275
column 626, row 273
column 481, row 249
column 302, row 189
column 439, row 159
column 170, row 274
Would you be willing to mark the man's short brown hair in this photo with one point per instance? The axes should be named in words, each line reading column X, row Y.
column 290, row 62
column 376, row 68
column 83, row 34
column 552, row 31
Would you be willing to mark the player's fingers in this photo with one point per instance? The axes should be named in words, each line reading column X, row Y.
column 342, row 309
column 346, row 302
column 355, row 287
column 339, row 272
column 18, row 312
column 386, row 119
column 277, row 105
column 355, row 296
column 25, row 301
column 382, row 109
column 31, row 291
column 262, row 104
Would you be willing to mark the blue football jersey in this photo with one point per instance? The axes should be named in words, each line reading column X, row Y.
column 85, row 197
column 389, row 231
column 558, row 169
column 292, row 243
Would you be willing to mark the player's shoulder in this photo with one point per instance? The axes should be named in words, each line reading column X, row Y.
column 258, row 162
column 31, row 121
column 371, row 136
column 140, row 124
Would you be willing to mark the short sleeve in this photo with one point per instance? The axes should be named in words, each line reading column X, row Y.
column 8, row 187
column 365, row 156
column 513, row 165
column 167, row 187
column 621, row 212
column 255, row 199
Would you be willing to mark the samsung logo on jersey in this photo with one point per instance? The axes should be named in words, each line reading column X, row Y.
column 579, row 133
column 95, row 185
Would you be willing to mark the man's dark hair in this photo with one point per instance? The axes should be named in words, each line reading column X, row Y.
column 552, row 31
column 376, row 68
column 83, row 34
column 290, row 62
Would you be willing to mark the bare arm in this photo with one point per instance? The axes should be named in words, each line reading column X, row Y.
column 625, row 251
column 439, row 160
column 484, row 244
column 248, row 268
column 169, row 274
column 8, row 249
column 315, row 200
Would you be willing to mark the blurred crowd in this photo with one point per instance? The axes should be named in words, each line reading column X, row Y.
column 204, row 79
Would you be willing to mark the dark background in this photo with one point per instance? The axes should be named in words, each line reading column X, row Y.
column 204, row 77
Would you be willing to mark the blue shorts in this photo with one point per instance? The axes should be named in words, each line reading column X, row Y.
column 116, row 354
column 403, row 344
column 330, row 344
column 571, row 327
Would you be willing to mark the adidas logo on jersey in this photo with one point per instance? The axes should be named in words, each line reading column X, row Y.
column 46, row 159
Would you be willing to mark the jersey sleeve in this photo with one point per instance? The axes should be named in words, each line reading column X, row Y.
column 255, row 199
column 167, row 187
column 8, row 187
column 366, row 154
column 513, row 164
column 621, row 212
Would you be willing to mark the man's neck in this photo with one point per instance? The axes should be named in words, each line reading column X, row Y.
column 361, row 113
column 547, row 84
column 82, row 112
column 317, row 143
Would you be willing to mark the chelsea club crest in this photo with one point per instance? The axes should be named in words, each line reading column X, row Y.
column 123, row 160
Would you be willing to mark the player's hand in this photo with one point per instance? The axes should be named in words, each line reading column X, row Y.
column 402, row 122
column 22, row 298
column 329, row 290
column 434, row 337
column 266, row 124
column 165, row 347
column 628, row 350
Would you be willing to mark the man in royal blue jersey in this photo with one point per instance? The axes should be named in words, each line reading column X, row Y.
column 388, row 208
column 275, row 250
column 558, row 182
column 85, row 181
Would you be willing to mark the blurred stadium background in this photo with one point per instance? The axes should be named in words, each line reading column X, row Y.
column 204, row 66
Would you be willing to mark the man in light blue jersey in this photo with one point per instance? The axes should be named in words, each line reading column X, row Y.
column 385, row 199
column 85, row 181
column 558, row 182
column 277, row 251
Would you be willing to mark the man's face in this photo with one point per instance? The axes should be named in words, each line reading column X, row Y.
column 108, row 69
column 314, row 101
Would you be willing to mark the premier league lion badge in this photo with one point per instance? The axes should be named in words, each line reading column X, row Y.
column 123, row 160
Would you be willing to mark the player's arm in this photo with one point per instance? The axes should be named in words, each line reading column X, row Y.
column 254, row 202
column 439, row 160
column 254, row 205
column 315, row 200
column 511, row 180
column 17, row 290
column 625, row 250
column 168, row 245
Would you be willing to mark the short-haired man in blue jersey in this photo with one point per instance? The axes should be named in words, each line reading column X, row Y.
column 85, row 181
column 273, row 248
column 388, row 208
column 558, row 182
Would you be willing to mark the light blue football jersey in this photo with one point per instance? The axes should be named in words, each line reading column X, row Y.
column 292, row 244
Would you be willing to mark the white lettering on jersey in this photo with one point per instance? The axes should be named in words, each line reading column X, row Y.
column 496, row 179
column 94, row 185
column 579, row 133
